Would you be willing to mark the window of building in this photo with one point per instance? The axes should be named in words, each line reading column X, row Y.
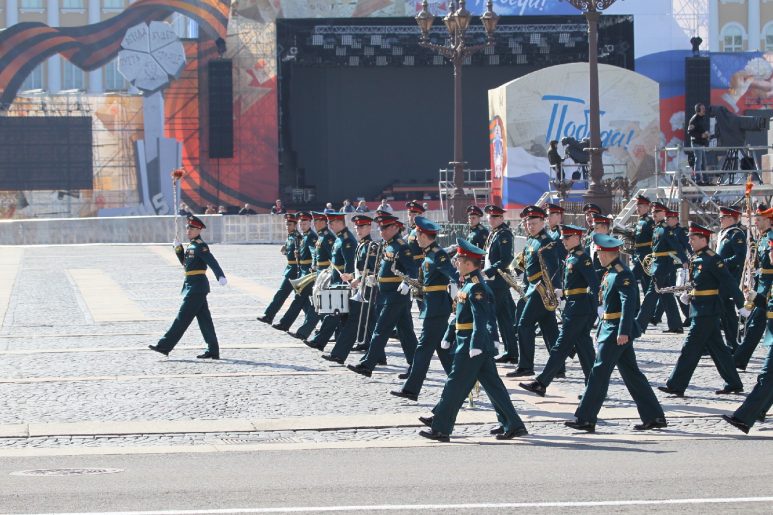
column 768, row 36
column 112, row 4
column 34, row 80
column 72, row 76
column 732, row 39
column 31, row 4
column 114, row 81
column 73, row 4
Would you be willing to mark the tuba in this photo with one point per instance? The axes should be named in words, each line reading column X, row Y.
column 545, row 289
column 302, row 283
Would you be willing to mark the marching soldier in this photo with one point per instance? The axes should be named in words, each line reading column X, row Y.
column 291, row 250
column 478, row 232
column 415, row 209
column 600, row 226
column 473, row 357
column 555, row 220
column 393, row 297
column 665, row 246
column 759, row 401
column 194, row 258
column 359, row 325
column 580, row 291
column 618, row 329
column 342, row 259
column 589, row 210
column 731, row 247
column 755, row 327
column 438, row 275
column 672, row 221
column 301, row 301
column 642, row 241
column 499, row 246
column 711, row 283
column 536, row 310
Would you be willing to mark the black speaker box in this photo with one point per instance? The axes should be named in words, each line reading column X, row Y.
column 697, row 84
column 221, row 102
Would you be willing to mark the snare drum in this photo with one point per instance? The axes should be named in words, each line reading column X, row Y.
column 333, row 300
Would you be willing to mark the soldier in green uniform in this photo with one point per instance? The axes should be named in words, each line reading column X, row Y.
column 600, row 226
column 759, row 401
column 393, row 297
column 731, row 247
column 589, row 210
column 359, row 325
column 642, row 240
column 618, row 329
column 194, row 258
column 499, row 246
column 757, row 321
column 342, row 260
column 302, row 302
column 291, row 250
column 536, row 311
column 478, row 233
column 711, row 283
column 580, row 293
column 414, row 209
column 665, row 247
column 438, row 275
column 672, row 222
column 473, row 358
column 554, row 221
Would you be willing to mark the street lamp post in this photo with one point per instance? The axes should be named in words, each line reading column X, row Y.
column 597, row 192
column 457, row 22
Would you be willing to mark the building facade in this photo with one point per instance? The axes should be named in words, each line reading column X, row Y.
column 741, row 25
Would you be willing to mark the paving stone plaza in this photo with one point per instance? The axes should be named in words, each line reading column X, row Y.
column 75, row 370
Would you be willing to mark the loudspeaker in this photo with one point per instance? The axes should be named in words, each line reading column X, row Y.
column 221, row 108
column 697, row 84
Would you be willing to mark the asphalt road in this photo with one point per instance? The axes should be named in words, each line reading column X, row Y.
column 533, row 475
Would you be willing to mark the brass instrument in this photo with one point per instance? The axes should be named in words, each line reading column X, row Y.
column 511, row 278
column 379, row 249
column 304, row 282
column 545, row 290
column 648, row 263
column 675, row 289
column 416, row 286
column 749, row 264
column 519, row 263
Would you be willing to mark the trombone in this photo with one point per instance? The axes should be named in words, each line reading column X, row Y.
column 366, row 304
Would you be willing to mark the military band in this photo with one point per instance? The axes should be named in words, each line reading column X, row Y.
column 565, row 276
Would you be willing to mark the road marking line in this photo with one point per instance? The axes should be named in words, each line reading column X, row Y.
column 258, row 346
column 10, row 261
column 466, row 506
column 104, row 298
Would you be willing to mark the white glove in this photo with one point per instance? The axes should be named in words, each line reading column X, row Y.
column 223, row 281
column 685, row 298
column 370, row 281
column 750, row 296
column 600, row 311
column 404, row 288
column 475, row 352
column 744, row 312
column 176, row 243
column 445, row 345
column 558, row 293
column 453, row 289
column 561, row 304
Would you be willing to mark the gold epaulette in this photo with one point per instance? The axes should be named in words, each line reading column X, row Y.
column 401, row 241
column 619, row 268
column 579, row 252
column 474, row 280
column 710, row 252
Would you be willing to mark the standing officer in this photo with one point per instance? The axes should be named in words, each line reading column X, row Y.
column 194, row 259
column 437, row 276
column 473, row 358
column 535, row 310
column 619, row 297
column 478, row 232
column 580, row 291
column 642, row 241
column 342, row 259
column 291, row 250
column 755, row 327
column 711, row 283
column 759, row 401
column 731, row 247
column 665, row 246
column 359, row 324
column 393, row 297
column 499, row 246
column 305, row 265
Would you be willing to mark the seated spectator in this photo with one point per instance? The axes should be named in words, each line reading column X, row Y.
column 184, row 209
column 210, row 210
column 329, row 208
column 362, row 207
column 384, row 206
column 347, row 207
column 278, row 208
column 247, row 210
column 425, row 206
column 221, row 210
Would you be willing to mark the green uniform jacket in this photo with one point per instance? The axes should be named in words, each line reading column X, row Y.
column 397, row 252
column 292, row 247
column 764, row 275
column 323, row 251
column 499, row 246
column 709, row 273
column 478, row 235
column 664, row 239
column 643, row 236
column 306, row 252
column 195, row 258
column 620, row 300
column 474, row 310
column 580, row 275
column 343, row 255
column 437, row 273
column 533, row 274
column 732, row 249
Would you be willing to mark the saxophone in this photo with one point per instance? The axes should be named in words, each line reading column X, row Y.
column 415, row 284
column 511, row 279
column 545, row 290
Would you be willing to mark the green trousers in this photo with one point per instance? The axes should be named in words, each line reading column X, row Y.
column 194, row 306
